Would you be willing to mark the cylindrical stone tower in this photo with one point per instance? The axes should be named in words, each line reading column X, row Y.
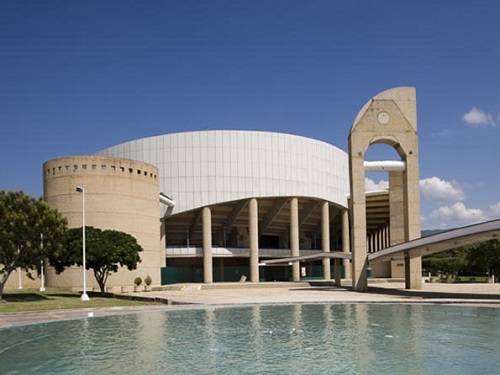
column 120, row 194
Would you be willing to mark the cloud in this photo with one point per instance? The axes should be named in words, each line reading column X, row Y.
column 371, row 185
column 477, row 117
column 495, row 209
column 436, row 189
column 458, row 212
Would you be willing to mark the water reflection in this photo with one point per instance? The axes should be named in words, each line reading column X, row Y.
column 346, row 339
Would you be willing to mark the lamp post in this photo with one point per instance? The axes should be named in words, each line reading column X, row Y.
column 19, row 278
column 84, row 297
column 42, row 273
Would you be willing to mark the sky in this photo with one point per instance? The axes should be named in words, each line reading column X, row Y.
column 76, row 77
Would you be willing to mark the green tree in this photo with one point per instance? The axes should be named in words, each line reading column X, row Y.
column 485, row 257
column 106, row 251
column 449, row 262
column 22, row 221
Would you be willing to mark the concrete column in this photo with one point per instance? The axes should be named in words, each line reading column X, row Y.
column 358, row 218
column 346, row 242
column 163, row 244
column 294, row 237
column 413, row 272
column 336, row 271
column 207, row 245
column 413, row 266
column 404, row 207
column 253, row 239
column 396, row 218
column 385, row 237
column 325, row 238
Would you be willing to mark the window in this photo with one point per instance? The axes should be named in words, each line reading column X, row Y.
column 84, row 166
column 94, row 166
column 122, row 169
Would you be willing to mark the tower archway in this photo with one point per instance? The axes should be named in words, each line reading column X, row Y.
column 390, row 118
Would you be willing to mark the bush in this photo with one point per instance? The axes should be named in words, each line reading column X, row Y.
column 137, row 281
column 148, row 280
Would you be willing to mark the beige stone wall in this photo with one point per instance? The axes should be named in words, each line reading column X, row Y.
column 120, row 194
column 397, row 219
column 26, row 282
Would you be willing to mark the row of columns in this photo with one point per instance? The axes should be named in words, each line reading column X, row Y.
column 253, row 233
column 378, row 240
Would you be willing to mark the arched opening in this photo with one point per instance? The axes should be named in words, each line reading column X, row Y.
column 384, row 169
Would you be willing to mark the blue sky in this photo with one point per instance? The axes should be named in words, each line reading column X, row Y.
column 76, row 77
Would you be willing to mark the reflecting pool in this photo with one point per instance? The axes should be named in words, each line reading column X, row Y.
column 302, row 339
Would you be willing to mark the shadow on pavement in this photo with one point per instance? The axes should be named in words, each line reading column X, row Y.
column 405, row 293
column 429, row 294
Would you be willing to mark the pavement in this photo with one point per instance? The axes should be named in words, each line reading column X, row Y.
column 380, row 292
column 196, row 296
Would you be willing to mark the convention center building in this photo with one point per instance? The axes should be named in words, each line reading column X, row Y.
column 213, row 206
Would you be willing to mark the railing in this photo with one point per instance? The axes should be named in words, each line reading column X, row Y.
column 174, row 252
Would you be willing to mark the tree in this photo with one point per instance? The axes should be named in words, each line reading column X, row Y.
column 22, row 220
column 485, row 257
column 106, row 251
column 448, row 262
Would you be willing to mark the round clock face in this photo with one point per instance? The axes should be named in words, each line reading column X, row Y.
column 383, row 117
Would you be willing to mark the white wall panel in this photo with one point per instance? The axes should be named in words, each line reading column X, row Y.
column 209, row 167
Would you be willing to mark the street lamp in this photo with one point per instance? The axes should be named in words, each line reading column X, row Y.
column 84, row 297
column 42, row 271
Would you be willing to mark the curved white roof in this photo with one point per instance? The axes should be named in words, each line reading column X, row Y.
column 208, row 167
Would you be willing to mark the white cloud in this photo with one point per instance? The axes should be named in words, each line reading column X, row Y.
column 477, row 117
column 458, row 212
column 371, row 185
column 495, row 209
column 436, row 189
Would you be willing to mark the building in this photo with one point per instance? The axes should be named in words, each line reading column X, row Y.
column 210, row 206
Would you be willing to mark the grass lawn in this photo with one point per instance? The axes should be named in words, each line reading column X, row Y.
column 33, row 300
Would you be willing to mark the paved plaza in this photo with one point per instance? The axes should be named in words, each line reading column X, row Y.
column 377, row 293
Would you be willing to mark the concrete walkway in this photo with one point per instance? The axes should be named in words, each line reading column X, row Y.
column 387, row 292
column 196, row 297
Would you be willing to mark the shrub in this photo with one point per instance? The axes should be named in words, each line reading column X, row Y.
column 137, row 281
column 148, row 280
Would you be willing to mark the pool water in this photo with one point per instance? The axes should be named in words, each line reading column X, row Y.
column 300, row 339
